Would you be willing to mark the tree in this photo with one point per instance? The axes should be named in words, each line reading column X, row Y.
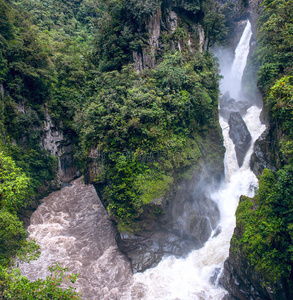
column 215, row 28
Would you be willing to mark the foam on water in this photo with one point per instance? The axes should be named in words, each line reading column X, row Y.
column 189, row 278
column 72, row 228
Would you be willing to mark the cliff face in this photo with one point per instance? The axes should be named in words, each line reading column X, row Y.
column 188, row 213
column 242, row 281
column 250, row 273
column 183, row 218
column 59, row 145
column 161, row 29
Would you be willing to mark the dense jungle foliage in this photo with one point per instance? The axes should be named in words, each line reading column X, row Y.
column 78, row 72
column 266, row 222
column 148, row 127
column 71, row 62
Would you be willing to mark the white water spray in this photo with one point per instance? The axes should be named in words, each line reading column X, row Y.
column 189, row 278
column 232, row 79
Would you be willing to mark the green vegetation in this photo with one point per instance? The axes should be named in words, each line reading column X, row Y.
column 275, row 42
column 265, row 222
column 33, row 82
column 148, row 125
column 16, row 287
column 15, row 192
column 71, row 62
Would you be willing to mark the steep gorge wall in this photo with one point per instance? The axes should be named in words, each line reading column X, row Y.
column 188, row 215
column 240, row 277
column 164, row 23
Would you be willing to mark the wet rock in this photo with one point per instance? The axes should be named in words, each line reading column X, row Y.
column 217, row 231
column 200, row 228
column 263, row 154
column 242, row 281
column 65, row 184
column 188, row 214
column 214, row 277
column 229, row 105
column 146, row 251
column 58, row 144
column 187, row 223
column 240, row 136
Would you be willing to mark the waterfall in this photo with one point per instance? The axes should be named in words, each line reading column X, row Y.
column 241, row 53
column 72, row 228
column 195, row 277
column 233, row 76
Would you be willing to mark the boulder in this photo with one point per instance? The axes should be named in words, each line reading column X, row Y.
column 147, row 250
column 262, row 157
column 188, row 220
column 240, row 136
column 229, row 105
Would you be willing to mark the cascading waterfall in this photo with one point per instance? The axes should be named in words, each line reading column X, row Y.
column 72, row 228
column 234, row 74
column 192, row 277
column 240, row 60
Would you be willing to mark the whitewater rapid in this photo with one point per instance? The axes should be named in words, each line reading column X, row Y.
column 72, row 228
column 190, row 278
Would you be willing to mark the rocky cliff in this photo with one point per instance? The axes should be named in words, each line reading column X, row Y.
column 189, row 214
column 240, row 277
column 184, row 217
column 242, row 281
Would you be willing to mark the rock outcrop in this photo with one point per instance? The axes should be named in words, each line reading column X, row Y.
column 58, row 144
column 229, row 105
column 263, row 157
column 186, row 224
column 166, row 20
column 240, row 136
column 242, row 281
column 188, row 217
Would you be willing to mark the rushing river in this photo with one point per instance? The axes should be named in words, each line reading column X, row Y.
column 72, row 228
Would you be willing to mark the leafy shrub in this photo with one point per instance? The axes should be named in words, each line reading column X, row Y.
column 267, row 223
column 17, row 287
column 147, row 127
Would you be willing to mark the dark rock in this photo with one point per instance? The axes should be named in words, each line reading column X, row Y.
column 188, row 214
column 147, row 251
column 65, row 184
column 263, row 153
column 67, row 167
column 229, row 105
column 214, row 277
column 187, row 223
column 240, row 136
column 217, row 231
column 228, row 297
column 243, row 282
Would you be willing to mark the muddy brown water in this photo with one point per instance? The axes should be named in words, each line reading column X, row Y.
column 72, row 228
